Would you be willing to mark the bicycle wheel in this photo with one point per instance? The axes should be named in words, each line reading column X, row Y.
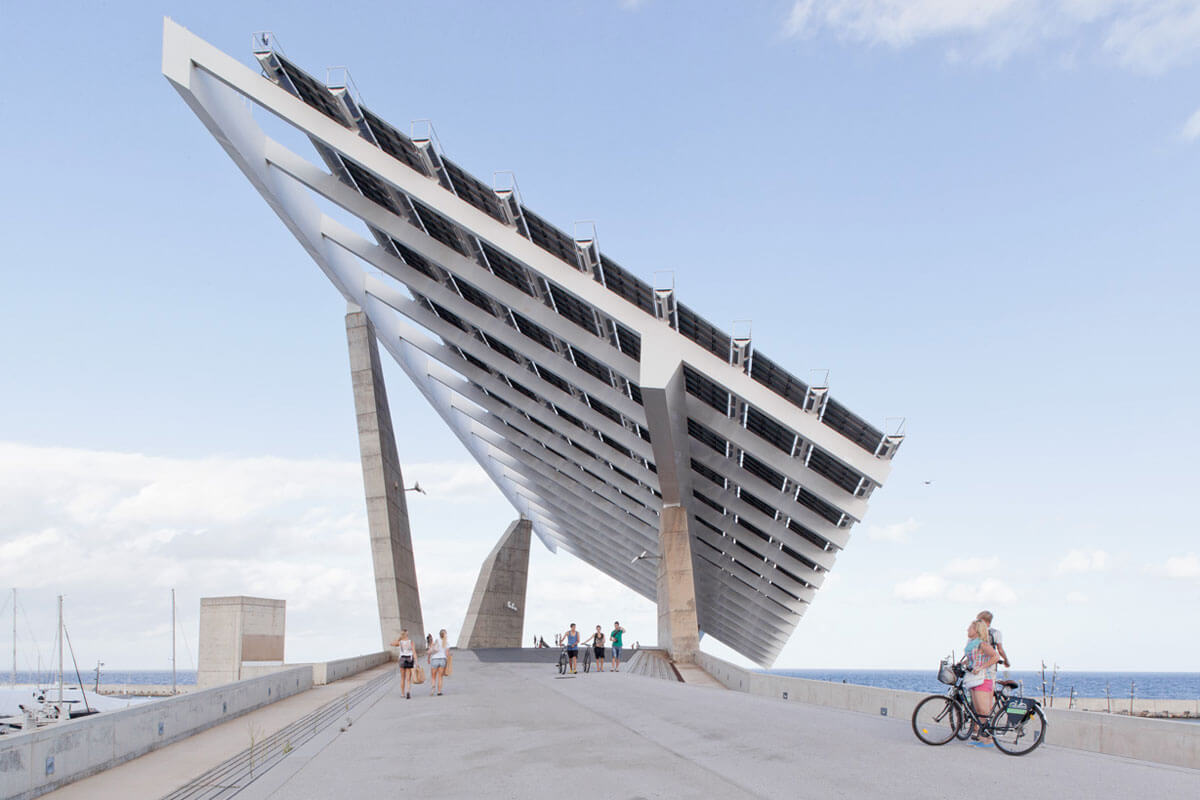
column 936, row 719
column 1019, row 738
column 562, row 663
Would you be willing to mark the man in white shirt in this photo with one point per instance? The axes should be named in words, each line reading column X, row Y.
column 997, row 642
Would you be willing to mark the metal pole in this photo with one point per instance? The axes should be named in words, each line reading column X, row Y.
column 174, row 691
column 60, row 658
column 14, row 671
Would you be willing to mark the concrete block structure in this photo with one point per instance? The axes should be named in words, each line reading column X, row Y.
column 387, row 511
column 612, row 416
column 238, row 629
column 496, row 614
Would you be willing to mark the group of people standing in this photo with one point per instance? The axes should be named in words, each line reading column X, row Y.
column 437, row 656
column 572, row 640
column 985, row 649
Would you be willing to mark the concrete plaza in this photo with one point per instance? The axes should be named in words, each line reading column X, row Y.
column 519, row 730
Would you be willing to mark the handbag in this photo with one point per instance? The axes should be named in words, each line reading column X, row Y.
column 418, row 674
column 449, row 664
column 971, row 680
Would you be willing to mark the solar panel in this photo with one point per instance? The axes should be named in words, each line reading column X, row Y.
column 312, row 91
column 777, row 379
column 550, row 238
column 574, row 309
column 371, row 187
column 415, row 260
column 700, row 331
column 473, row 190
column 439, row 227
column 629, row 342
column 620, row 282
column 766, row 428
column 473, row 295
column 806, row 498
column 591, row 366
column 763, row 472
column 705, row 390
column 395, row 143
column 853, row 427
column 508, row 270
column 533, row 331
column 703, row 434
column 754, row 502
column 827, row 466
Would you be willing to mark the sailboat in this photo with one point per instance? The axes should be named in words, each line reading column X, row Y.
column 45, row 709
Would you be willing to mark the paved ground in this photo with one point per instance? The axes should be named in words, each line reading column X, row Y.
column 162, row 771
column 518, row 730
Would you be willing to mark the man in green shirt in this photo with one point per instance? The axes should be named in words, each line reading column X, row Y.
column 614, row 641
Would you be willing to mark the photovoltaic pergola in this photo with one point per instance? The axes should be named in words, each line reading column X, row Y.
column 593, row 399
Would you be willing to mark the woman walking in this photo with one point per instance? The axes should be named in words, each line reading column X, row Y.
column 438, row 648
column 408, row 657
column 597, row 644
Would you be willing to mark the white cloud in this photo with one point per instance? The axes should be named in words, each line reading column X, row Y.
column 1144, row 35
column 925, row 586
column 1083, row 561
column 1076, row 598
column 972, row 566
column 895, row 532
column 116, row 531
column 1186, row 566
column 1191, row 128
column 989, row 591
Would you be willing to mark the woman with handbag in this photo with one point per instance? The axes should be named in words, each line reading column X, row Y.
column 979, row 656
column 407, row 656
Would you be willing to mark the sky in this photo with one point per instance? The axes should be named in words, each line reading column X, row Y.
column 979, row 216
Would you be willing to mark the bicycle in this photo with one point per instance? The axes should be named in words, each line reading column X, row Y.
column 587, row 659
column 563, row 661
column 1016, row 725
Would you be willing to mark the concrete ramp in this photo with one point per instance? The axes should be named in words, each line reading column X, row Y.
column 650, row 664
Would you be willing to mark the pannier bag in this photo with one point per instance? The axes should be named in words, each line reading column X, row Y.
column 1018, row 710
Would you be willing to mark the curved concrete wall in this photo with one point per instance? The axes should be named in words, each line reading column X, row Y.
column 1158, row 740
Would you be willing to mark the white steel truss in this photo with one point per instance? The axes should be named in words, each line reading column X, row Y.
column 533, row 347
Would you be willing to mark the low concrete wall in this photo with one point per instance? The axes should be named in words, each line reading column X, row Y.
column 331, row 671
column 39, row 761
column 1159, row 740
column 323, row 672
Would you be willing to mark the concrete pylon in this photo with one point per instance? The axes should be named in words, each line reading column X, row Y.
column 496, row 614
column 387, row 510
column 664, row 398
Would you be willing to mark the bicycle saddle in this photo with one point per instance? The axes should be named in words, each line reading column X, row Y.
column 1007, row 684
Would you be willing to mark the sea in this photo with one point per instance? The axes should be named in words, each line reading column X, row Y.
column 138, row 677
column 1118, row 685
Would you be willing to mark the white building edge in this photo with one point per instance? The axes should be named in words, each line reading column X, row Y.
column 613, row 417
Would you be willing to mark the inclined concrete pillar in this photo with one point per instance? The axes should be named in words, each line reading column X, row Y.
column 664, row 398
column 387, row 511
column 496, row 614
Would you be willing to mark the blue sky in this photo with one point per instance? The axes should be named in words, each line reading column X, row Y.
column 979, row 216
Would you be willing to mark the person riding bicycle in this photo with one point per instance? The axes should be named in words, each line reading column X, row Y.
column 980, row 656
column 571, row 641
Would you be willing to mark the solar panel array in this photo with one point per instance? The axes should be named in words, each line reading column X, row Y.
column 550, row 385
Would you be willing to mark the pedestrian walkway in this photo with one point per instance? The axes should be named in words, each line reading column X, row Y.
column 520, row 730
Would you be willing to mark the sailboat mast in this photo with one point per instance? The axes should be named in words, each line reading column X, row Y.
column 60, row 656
column 174, row 690
column 14, row 670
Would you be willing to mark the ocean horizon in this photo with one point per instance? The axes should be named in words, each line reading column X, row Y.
column 1117, row 684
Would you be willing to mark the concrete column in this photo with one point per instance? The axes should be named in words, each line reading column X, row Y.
column 678, row 630
column 664, row 398
column 496, row 614
column 387, row 510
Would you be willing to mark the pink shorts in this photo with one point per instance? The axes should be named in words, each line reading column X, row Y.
column 986, row 686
